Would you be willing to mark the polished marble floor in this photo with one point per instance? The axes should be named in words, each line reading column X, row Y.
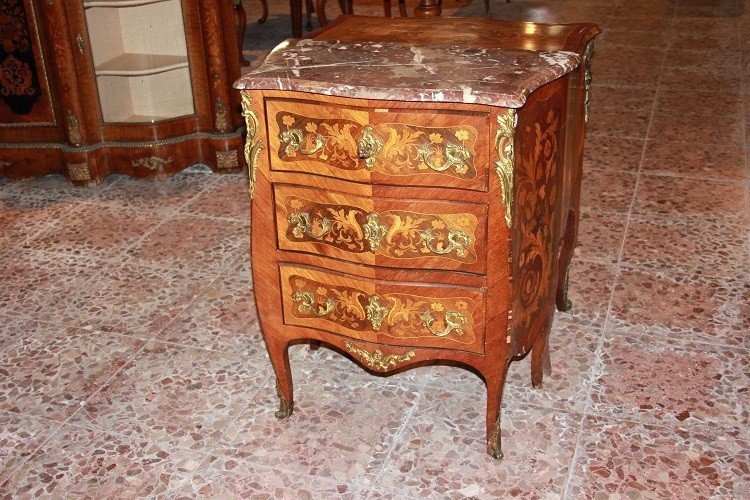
column 131, row 364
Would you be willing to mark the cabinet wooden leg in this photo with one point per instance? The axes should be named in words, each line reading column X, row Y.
column 240, row 20
column 264, row 17
column 495, row 383
column 309, row 8
column 279, row 355
column 320, row 7
column 540, row 361
column 566, row 255
column 427, row 8
column 295, row 6
column 314, row 345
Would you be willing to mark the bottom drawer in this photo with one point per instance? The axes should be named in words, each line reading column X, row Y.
column 409, row 314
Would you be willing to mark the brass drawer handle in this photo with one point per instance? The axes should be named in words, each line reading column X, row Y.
column 374, row 231
column 306, row 302
column 303, row 225
column 369, row 146
column 295, row 137
column 457, row 240
column 453, row 321
column 456, row 156
column 376, row 313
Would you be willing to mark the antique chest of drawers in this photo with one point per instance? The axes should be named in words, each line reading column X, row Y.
column 407, row 204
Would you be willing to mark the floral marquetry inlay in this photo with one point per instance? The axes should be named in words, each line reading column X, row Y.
column 536, row 185
column 392, row 314
column 387, row 148
column 396, row 234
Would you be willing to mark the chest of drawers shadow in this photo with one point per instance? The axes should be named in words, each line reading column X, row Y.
column 407, row 204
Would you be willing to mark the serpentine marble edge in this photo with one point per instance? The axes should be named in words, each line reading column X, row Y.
column 406, row 72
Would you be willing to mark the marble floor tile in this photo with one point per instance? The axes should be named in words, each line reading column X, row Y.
column 647, row 378
column 342, row 427
column 703, row 34
column 83, row 463
column 694, row 159
column 600, row 237
column 589, row 290
column 603, row 152
column 188, row 241
column 131, row 299
column 662, row 243
column 638, row 22
column 163, row 196
column 18, row 223
column 177, row 396
column 95, row 230
column 674, row 126
column 683, row 305
column 615, row 122
column 50, row 190
column 222, row 317
column 54, row 369
column 33, row 281
column 12, row 327
column 637, row 66
column 687, row 196
column 226, row 197
column 20, row 436
column 442, row 451
column 677, row 77
column 630, row 38
column 607, row 191
column 626, row 99
column 633, row 460
column 226, row 477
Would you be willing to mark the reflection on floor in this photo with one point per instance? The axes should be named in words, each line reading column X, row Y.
column 131, row 363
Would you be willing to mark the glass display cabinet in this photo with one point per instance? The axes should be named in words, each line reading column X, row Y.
column 138, row 87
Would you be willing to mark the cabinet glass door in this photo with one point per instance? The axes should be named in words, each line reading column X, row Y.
column 140, row 59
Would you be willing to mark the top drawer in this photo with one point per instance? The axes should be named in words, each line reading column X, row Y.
column 397, row 146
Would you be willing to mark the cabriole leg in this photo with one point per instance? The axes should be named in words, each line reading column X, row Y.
column 566, row 255
column 495, row 383
column 540, row 360
column 279, row 355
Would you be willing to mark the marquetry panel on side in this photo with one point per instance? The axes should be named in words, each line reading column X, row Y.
column 536, row 228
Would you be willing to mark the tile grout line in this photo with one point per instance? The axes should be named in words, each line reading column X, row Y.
column 597, row 363
column 378, row 476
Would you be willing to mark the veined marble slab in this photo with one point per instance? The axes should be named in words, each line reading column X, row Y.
column 405, row 72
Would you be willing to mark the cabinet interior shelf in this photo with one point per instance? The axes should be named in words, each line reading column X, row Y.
column 118, row 3
column 129, row 64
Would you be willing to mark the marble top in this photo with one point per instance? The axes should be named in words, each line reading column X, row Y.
column 406, row 72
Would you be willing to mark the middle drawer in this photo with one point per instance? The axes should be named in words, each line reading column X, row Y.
column 385, row 232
